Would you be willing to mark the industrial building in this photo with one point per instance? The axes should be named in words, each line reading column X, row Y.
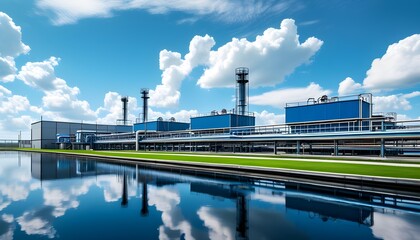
column 324, row 125
column 161, row 125
column 329, row 114
column 53, row 134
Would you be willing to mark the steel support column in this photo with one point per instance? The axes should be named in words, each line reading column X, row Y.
column 335, row 148
column 297, row 147
column 382, row 148
column 275, row 148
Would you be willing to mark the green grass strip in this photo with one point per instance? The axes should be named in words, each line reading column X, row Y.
column 288, row 156
column 329, row 167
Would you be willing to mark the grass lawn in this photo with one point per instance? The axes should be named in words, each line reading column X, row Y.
column 330, row 167
column 289, row 156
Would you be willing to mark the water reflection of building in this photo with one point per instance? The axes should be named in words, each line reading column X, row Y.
column 144, row 203
column 124, row 197
column 50, row 167
column 343, row 203
column 230, row 191
column 329, row 210
column 325, row 203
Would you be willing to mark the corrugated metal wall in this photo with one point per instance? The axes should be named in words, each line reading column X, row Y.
column 222, row 121
column 161, row 126
column 327, row 111
column 44, row 133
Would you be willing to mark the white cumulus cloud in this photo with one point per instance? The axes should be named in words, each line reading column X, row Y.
column 396, row 69
column 14, row 104
column 399, row 67
column 13, row 114
column 180, row 116
column 11, row 46
column 4, row 90
column 176, row 69
column 279, row 98
column 60, row 101
column 11, row 38
column 271, row 57
column 392, row 103
column 267, row 118
column 348, row 86
column 7, row 69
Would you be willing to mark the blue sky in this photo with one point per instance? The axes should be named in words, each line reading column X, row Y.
column 73, row 60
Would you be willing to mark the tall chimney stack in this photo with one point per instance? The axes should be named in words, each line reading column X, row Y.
column 124, row 101
column 145, row 96
column 242, row 78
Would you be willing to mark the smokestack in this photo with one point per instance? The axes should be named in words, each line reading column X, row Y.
column 124, row 101
column 242, row 78
column 145, row 96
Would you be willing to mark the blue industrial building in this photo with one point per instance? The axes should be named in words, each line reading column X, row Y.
column 328, row 109
column 325, row 114
column 160, row 126
column 223, row 120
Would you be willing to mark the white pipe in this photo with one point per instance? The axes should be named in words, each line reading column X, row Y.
column 137, row 139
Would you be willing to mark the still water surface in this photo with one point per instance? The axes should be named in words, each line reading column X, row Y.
column 45, row 196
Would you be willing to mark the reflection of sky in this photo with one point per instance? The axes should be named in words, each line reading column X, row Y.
column 6, row 226
column 59, row 196
column 38, row 222
column 62, row 195
column 46, row 209
column 268, row 196
column 166, row 199
column 15, row 181
column 112, row 187
column 220, row 222
column 396, row 226
column 262, row 223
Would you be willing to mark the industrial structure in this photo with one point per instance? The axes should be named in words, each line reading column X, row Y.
column 238, row 117
column 145, row 96
column 311, row 115
column 124, row 121
column 324, row 125
column 53, row 134
column 158, row 125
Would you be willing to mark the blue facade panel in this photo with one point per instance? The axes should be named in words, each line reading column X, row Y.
column 327, row 111
column 123, row 128
column 152, row 126
column 366, row 110
column 172, row 126
column 222, row 121
column 242, row 120
column 214, row 121
column 161, row 126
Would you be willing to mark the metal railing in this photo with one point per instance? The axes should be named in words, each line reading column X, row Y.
column 358, row 125
column 355, row 125
column 9, row 143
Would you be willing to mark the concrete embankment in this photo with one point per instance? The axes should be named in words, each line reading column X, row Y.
column 390, row 185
